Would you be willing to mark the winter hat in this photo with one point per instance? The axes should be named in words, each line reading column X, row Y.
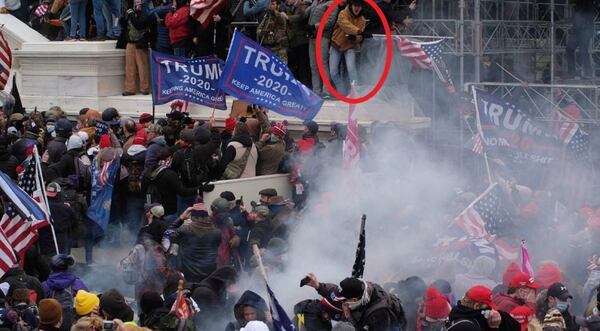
column 511, row 270
column 113, row 303
column 110, row 115
column 105, row 141
column 522, row 279
column 199, row 210
column 138, row 140
column 241, row 128
column 343, row 326
column 554, row 318
column 548, row 274
column 50, row 311
column 61, row 262
column 229, row 124
column 255, row 326
column 312, row 127
column 149, row 301
column 187, row 135
column 262, row 211
column 436, row 305
column 227, row 195
column 269, row 192
column 279, row 130
column 202, row 134
column 74, row 142
column 481, row 294
column 220, row 205
column 85, row 302
column 351, row 288
column 158, row 211
column 145, row 118
column 523, row 315
column 53, row 189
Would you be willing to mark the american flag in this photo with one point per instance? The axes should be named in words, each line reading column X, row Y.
column 21, row 232
column 5, row 61
column 579, row 145
column 41, row 10
column 487, row 218
column 351, row 150
column 563, row 126
column 359, row 263
column 204, row 10
column 477, row 144
column 281, row 321
column 427, row 55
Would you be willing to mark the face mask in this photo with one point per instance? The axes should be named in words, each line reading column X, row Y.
column 562, row 306
column 50, row 128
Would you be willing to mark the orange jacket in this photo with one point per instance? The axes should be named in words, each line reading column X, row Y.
column 347, row 24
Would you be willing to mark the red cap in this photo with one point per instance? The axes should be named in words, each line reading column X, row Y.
column 229, row 124
column 145, row 117
column 279, row 130
column 105, row 141
column 522, row 279
column 523, row 315
column 512, row 270
column 436, row 305
column 481, row 294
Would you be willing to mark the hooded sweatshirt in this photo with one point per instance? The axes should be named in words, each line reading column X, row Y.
column 251, row 299
column 62, row 280
column 474, row 320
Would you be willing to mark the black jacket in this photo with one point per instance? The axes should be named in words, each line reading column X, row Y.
column 17, row 277
column 476, row 320
column 198, row 245
column 56, row 148
column 213, row 32
column 312, row 313
column 8, row 163
column 260, row 233
column 171, row 186
column 252, row 299
column 65, row 167
column 64, row 221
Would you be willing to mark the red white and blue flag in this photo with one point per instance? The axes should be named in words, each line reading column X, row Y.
column 526, row 265
column 5, row 61
column 427, row 55
column 351, row 151
column 281, row 321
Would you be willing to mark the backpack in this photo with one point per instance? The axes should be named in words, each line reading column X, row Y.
column 235, row 168
column 462, row 324
column 83, row 172
column 390, row 302
column 65, row 298
column 189, row 172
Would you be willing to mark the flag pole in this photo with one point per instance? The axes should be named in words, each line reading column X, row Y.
column 45, row 197
column 261, row 267
column 478, row 121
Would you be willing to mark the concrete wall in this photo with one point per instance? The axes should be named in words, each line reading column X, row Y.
column 249, row 187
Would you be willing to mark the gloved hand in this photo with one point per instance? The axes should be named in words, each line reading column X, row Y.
column 3, row 10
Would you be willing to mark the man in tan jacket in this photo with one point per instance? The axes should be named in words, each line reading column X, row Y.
column 345, row 43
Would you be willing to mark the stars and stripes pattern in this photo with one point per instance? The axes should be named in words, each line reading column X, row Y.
column 564, row 127
column 20, row 231
column 427, row 55
column 486, row 218
column 579, row 145
column 5, row 61
column 477, row 144
column 281, row 321
column 204, row 10
column 358, row 269
column 41, row 10
column 351, row 150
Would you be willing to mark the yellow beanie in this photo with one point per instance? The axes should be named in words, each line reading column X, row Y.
column 85, row 302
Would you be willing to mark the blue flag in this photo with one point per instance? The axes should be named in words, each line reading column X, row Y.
column 103, row 180
column 193, row 80
column 281, row 321
column 255, row 75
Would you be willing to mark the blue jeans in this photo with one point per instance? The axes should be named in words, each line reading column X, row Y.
column 104, row 12
column 78, row 18
column 335, row 59
column 317, row 82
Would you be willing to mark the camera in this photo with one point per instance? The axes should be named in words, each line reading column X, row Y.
column 108, row 325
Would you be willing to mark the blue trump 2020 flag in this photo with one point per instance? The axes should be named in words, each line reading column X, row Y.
column 180, row 78
column 255, row 75
column 103, row 180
